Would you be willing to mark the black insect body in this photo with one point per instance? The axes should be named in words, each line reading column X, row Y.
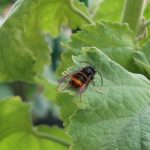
column 80, row 79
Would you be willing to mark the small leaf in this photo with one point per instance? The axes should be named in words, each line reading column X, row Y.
column 16, row 131
column 111, row 119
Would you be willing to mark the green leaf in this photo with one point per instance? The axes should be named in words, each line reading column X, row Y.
column 138, row 132
column 16, row 61
column 64, row 100
column 145, row 50
column 66, row 60
column 115, row 118
column 110, row 10
column 142, row 59
column 16, row 129
column 21, row 35
column 23, row 51
column 115, row 40
column 60, row 12
column 49, row 88
column 55, row 131
column 147, row 10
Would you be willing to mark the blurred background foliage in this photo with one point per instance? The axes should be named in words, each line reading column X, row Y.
column 44, row 111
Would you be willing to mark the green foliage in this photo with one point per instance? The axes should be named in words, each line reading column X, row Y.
column 142, row 59
column 109, row 10
column 54, row 131
column 115, row 40
column 61, row 12
column 65, row 100
column 108, row 117
column 22, row 47
column 22, row 29
column 16, row 129
column 120, row 97
column 49, row 88
column 147, row 10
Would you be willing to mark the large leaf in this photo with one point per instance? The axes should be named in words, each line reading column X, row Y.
column 116, row 119
column 16, row 131
column 23, row 50
column 115, row 40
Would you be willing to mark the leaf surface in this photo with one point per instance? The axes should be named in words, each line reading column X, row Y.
column 62, row 12
column 110, row 10
column 16, row 131
column 111, row 117
column 142, row 59
column 23, row 48
column 115, row 40
column 23, row 51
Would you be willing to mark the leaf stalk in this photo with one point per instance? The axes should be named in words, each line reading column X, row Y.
column 133, row 13
column 81, row 14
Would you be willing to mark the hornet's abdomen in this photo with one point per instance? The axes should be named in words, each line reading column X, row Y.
column 80, row 79
column 77, row 80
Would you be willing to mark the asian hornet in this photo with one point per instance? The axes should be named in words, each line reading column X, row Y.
column 80, row 79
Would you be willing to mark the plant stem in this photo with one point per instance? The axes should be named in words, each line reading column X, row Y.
column 81, row 14
column 133, row 12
